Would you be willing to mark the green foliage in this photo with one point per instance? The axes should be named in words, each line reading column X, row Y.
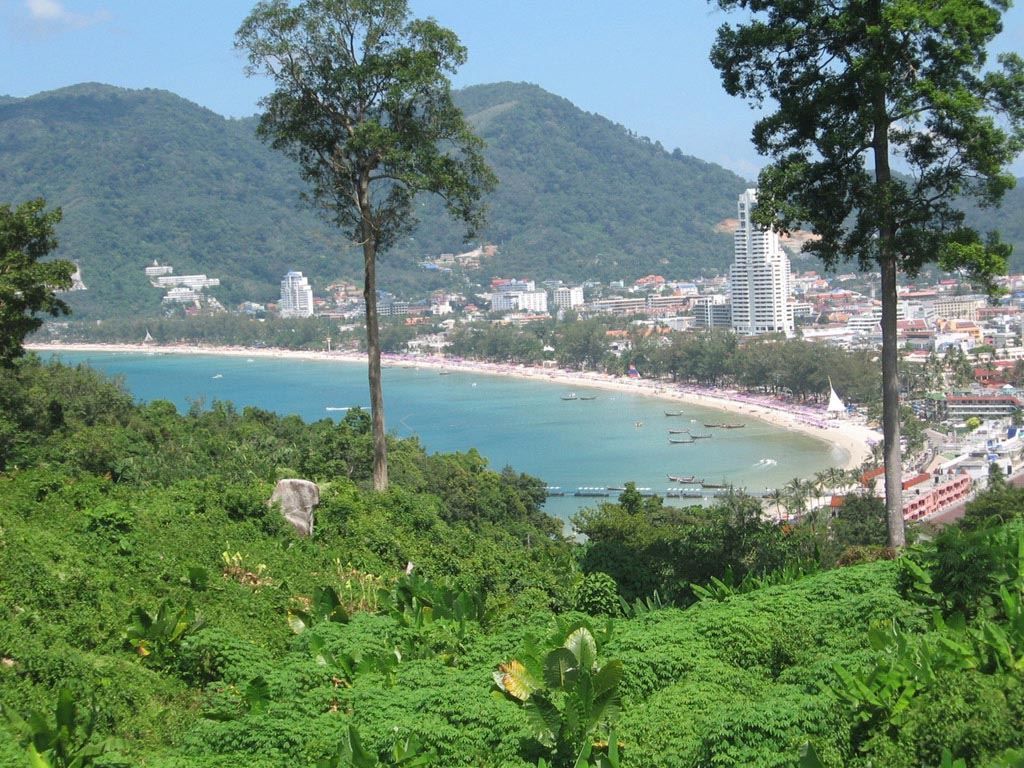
column 156, row 638
column 325, row 605
column 596, row 594
column 569, row 699
column 729, row 585
column 28, row 285
column 406, row 753
column 63, row 741
column 787, row 659
column 646, row 547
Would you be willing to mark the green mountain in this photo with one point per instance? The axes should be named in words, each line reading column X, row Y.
column 144, row 175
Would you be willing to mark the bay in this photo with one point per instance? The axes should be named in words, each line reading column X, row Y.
column 614, row 438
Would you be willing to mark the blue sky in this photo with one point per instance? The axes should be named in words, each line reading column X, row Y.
column 643, row 64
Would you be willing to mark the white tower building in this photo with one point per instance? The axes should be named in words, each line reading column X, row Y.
column 296, row 296
column 759, row 278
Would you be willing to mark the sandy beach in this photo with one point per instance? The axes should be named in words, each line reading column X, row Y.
column 852, row 437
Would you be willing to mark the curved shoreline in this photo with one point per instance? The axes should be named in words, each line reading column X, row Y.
column 854, row 438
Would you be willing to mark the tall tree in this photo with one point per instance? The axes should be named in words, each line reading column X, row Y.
column 28, row 285
column 855, row 85
column 362, row 102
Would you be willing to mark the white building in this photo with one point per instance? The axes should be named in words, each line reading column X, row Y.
column 713, row 311
column 157, row 270
column 567, row 298
column 195, row 282
column 296, row 296
column 759, row 278
column 521, row 301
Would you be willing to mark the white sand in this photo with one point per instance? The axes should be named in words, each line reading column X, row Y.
column 852, row 437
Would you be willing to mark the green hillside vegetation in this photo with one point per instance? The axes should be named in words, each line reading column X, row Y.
column 144, row 175
column 146, row 580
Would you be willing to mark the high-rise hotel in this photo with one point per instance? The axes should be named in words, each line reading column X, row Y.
column 759, row 278
column 296, row 296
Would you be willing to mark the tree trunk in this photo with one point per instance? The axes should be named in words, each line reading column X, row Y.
column 890, row 382
column 380, row 442
column 891, row 408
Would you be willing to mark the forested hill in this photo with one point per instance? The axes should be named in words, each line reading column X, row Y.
column 145, row 174
column 583, row 197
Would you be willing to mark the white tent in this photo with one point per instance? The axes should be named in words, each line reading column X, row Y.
column 836, row 407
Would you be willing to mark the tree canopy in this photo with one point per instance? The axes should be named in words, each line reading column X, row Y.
column 28, row 285
column 363, row 103
column 860, row 85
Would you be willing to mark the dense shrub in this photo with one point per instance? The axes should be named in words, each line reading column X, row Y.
column 596, row 594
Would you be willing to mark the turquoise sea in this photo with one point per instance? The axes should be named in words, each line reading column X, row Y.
column 615, row 438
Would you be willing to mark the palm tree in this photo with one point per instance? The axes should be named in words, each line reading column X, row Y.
column 796, row 492
column 775, row 496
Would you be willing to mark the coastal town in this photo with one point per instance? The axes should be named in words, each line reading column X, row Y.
column 962, row 352
column 512, row 385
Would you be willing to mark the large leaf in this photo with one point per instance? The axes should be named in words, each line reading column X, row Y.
column 543, row 719
column 561, row 669
column 809, row 757
column 318, row 647
column 515, row 680
column 583, row 646
column 298, row 621
column 257, row 695
column 605, row 708
column 353, row 753
column 66, row 716
column 608, row 677
column 327, row 605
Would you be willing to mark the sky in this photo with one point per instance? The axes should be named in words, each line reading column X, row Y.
column 642, row 64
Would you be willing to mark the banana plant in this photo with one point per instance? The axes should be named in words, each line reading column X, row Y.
column 66, row 741
column 407, row 753
column 347, row 666
column 416, row 602
column 324, row 606
column 155, row 638
column 644, row 605
column 571, row 701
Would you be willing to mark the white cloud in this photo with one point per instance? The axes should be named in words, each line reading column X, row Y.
column 52, row 13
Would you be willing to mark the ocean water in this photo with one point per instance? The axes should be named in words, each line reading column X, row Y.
column 614, row 438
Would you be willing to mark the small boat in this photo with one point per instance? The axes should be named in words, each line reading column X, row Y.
column 570, row 396
column 697, row 436
column 673, row 413
column 678, row 431
column 683, row 479
column 706, row 485
column 733, row 426
column 588, row 397
column 679, row 441
column 217, row 376
column 638, row 424
column 445, row 373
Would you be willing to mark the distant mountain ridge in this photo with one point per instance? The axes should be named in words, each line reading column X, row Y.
column 145, row 175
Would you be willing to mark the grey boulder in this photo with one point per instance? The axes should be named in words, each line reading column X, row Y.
column 297, row 499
